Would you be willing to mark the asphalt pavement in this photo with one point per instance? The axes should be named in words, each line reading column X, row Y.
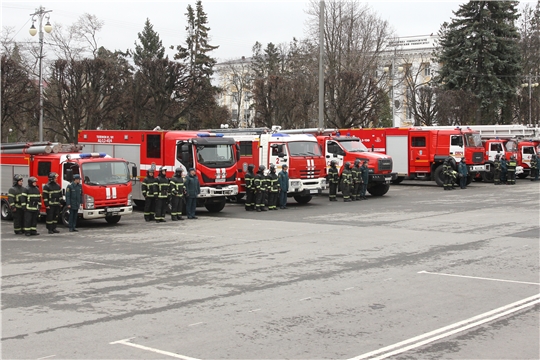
column 419, row 273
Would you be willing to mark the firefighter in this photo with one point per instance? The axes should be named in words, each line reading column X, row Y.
column 333, row 180
column 511, row 168
column 346, row 182
column 250, row 188
column 163, row 195
column 365, row 178
column 504, row 169
column 149, row 191
column 283, row 180
column 463, row 171
column 447, row 172
column 273, row 188
column 31, row 201
column 74, row 196
column 15, row 203
column 52, row 193
column 356, row 181
column 193, row 189
column 260, row 191
column 534, row 167
column 176, row 189
column 497, row 170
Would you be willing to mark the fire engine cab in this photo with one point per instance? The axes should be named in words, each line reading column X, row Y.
column 106, row 181
column 213, row 156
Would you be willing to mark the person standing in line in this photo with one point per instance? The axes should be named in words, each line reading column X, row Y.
column 463, row 171
column 283, row 180
column 52, row 193
column 346, row 182
column 249, row 179
column 193, row 189
column 273, row 188
column 534, row 167
column 149, row 191
column 15, row 194
column 356, row 181
column 74, row 196
column 163, row 195
column 504, row 169
column 511, row 168
column 31, row 201
column 497, row 170
column 447, row 172
column 260, row 190
column 333, row 180
column 364, row 179
column 177, row 195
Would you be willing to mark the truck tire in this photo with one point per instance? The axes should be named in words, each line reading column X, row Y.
column 303, row 199
column 113, row 219
column 378, row 189
column 488, row 176
column 64, row 217
column 469, row 179
column 523, row 175
column 438, row 175
column 139, row 203
column 6, row 211
column 398, row 180
column 215, row 206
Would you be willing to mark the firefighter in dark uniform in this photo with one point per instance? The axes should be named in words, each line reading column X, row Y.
column 52, row 193
column 250, row 188
column 74, row 198
column 333, row 180
column 497, row 170
column 273, row 188
column 176, row 189
column 356, row 181
column 15, row 203
column 512, row 164
column 163, row 195
column 346, row 182
column 463, row 172
column 149, row 191
column 260, row 189
column 31, row 202
column 534, row 167
column 364, row 176
column 448, row 174
column 504, row 169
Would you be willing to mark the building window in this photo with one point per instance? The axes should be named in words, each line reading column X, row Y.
column 418, row 141
column 427, row 69
column 235, row 114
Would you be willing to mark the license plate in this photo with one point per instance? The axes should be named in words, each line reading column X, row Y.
column 478, row 168
column 220, row 180
column 387, row 179
column 113, row 210
column 313, row 191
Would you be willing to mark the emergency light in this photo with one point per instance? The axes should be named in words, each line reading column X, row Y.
column 91, row 155
column 280, row 135
column 209, row 135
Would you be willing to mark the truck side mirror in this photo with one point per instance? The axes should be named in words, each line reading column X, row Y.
column 372, row 147
column 69, row 175
column 185, row 158
column 134, row 172
column 280, row 155
column 237, row 152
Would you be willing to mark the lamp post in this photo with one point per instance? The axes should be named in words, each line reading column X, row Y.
column 40, row 14
column 530, row 85
column 391, row 72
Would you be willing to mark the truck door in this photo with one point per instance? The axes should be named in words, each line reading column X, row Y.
column 419, row 157
column 526, row 154
column 278, row 155
column 334, row 151
column 495, row 148
column 457, row 147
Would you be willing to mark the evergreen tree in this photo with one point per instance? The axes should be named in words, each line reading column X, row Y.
column 479, row 53
column 151, row 47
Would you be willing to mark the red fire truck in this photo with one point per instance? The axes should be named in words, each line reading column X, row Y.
column 213, row 156
column 419, row 153
column 345, row 148
column 301, row 153
column 106, row 181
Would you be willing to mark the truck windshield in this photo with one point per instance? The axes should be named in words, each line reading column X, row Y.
column 473, row 140
column 105, row 173
column 215, row 156
column 353, row 145
column 304, row 148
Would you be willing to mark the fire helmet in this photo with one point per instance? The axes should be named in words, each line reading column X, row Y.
column 272, row 168
column 347, row 165
column 178, row 171
column 52, row 176
column 17, row 178
column 251, row 167
column 262, row 167
column 32, row 180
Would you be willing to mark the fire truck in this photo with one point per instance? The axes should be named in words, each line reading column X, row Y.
column 301, row 153
column 106, row 181
column 419, row 153
column 213, row 156
column 345, row 148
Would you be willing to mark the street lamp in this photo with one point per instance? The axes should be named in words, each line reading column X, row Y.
column 392, row 74
column 40, row 14
column 530, row 85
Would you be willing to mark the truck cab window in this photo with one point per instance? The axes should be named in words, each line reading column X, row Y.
column 456, row 140
column 184, row 154
column 153, row 146
column 44, row 168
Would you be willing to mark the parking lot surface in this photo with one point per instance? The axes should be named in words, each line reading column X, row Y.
column 419, row 273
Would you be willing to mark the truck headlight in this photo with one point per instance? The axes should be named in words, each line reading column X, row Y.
column 89, row 201
column 130, row 199
column 295, row 184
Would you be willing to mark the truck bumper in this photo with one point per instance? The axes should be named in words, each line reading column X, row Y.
column 226, row 190
column 103, row 213
column 307, row 186
column 382, row 178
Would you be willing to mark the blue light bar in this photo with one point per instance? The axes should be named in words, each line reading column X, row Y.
column 280, row 135
column 209, row 135
column 91, row 155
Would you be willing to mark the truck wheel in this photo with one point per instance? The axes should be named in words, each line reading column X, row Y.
column 303, row 199
column 469, row 179
column 398, row 180
column 488, row 176
column 215, row 207
column 64, row 217
column 378, row 189
column 236, row 198
column 439, row 176
column 113, row 219
column 6, row 211
column 523, row 175
column 139, row 203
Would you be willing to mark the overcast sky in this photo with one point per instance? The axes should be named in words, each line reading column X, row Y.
column 235, row 26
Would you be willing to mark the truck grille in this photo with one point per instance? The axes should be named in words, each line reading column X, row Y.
column 478, row 158
column 385, row 164
column 310, row 174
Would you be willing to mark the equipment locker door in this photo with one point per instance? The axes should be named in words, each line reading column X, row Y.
column 419, row 155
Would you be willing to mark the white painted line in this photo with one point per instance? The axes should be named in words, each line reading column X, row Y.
column 450, row 329
column 479, row 278
column 195, row 324
column 347, row 289
column 305, row 299
column 93, row 262
column 254, row 310
column 46, row 357
column 126, row 342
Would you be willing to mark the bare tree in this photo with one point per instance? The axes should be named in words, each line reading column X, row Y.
column 419, row 93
